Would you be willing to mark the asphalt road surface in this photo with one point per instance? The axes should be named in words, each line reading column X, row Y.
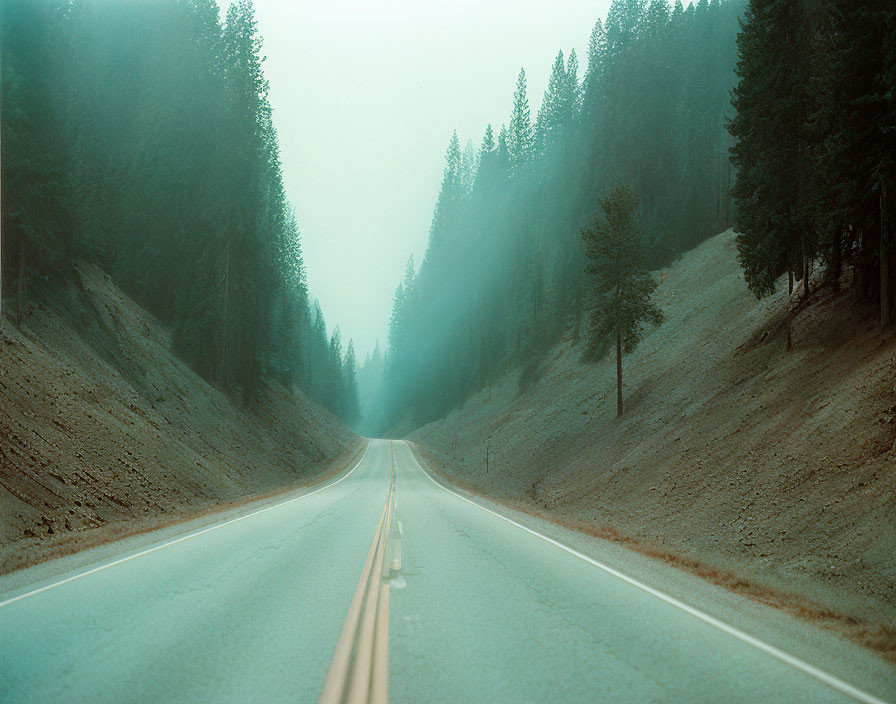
column 381, row 584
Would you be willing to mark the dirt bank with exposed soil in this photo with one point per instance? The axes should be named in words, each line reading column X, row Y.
column 103, row 432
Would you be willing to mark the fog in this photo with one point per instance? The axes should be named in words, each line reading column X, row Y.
column 365, row 98
column 176, row 142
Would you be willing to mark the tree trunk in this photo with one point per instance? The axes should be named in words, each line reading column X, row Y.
column 837, row 256
column 789, row 281
column 284, row 341
column 618, row 375
column 728, row 196
column 20, row 307
column 241, row 375
column 225, row 316
column 310, row 360
column 885, row 245
column 800, row 199
column 789, row 326
column 804, row 264
column 719, row 196
column 1, row 171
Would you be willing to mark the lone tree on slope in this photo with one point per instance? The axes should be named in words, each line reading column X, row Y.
column 620, row 284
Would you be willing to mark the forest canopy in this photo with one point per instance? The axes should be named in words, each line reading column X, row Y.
column 139, row 136
column 504, row 272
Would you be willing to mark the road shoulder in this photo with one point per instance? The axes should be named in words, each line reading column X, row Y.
column 817, row 646
column 114, row 546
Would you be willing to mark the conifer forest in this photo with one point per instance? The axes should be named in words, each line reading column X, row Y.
column 448, row 351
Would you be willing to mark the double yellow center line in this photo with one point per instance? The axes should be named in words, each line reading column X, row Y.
column 359, row 671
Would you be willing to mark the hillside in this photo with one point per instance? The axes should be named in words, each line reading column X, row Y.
column 103, row 432
column 769, row 471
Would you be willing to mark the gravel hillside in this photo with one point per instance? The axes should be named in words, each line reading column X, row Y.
column 103, row 432
column 769, row 471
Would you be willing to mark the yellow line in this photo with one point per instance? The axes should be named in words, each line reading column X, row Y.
column 358, row 671
column 379, row 683
column 336, row 675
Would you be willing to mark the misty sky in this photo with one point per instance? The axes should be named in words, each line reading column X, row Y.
column 365, row 96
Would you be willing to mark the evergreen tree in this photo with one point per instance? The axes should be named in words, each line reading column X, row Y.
column 853, row 136
column 334, row 387
column 771, row 128
column 36, row 197
column 558, row 109
column 468, row 167
column 488, row 142
column 156, row 158
column 370, row 391
column 573, row 87
column 351, row 408
column 622, row 287
column 504, row 158
column 597, row 57
column 319, row 368
column 520, row 138
column 510, row 249
column 450, row 197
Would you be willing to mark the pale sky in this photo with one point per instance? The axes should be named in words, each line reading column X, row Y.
column 365, row 97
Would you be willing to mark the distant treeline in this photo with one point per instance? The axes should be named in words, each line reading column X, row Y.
column 816, row 150
column 503, row 275
column 139, row 136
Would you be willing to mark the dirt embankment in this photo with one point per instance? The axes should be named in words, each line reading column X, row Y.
column 771, row 472
column 103, row 432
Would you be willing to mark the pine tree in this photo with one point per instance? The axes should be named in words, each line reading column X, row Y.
column 36, row 197
column 410, row 276
column 488, row 170
column 469, row 164
column 450, row 198
column 771, row 153
column 334, row 389
column 504, row 158
column 513, row 243
column 555, row 114
column 520, row 135
column 621, row 286
column 854, row 137
column 396, row 321
column 573, row 87
column 597, row 58
column 351, row 409
column 625, row 21
column 319, row 369
column 156, row 158
column 488, row 142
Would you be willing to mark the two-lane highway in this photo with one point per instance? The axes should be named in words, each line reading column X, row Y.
column 424, row 593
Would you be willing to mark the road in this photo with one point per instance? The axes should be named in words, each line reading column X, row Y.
column 380, row 580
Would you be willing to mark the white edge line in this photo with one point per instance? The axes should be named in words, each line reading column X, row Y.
column 190, row 536
column 795, row 662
